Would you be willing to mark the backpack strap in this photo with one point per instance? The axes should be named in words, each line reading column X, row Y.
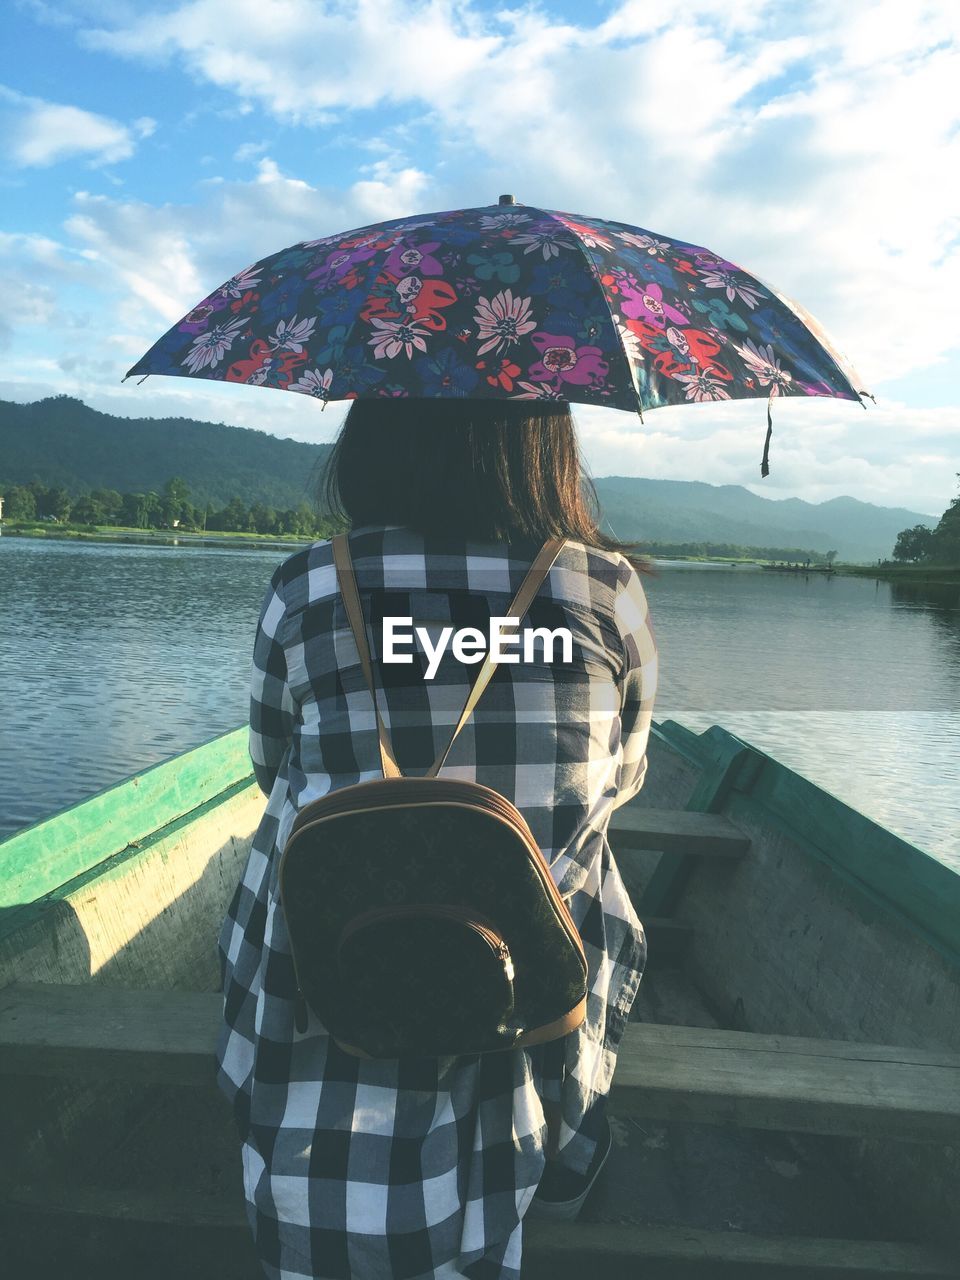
column 517, row 609
column 521, row 602
column 347, row 581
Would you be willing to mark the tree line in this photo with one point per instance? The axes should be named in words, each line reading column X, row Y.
column 170, row 509
column 940, row 545
column 733, row 551
column 173, row 509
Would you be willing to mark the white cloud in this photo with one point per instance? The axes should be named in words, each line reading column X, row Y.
column 26, row 302
column 302, row 59
column 143, row 250
column 172, row 256
column 39, row 133
column 888, row 454
column 35, row 274
column 826, row 160
column 250, row 151
column 39, row 251
column 823, row 155
column 389, row 193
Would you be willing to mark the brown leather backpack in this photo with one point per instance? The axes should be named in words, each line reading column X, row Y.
column 422, row 915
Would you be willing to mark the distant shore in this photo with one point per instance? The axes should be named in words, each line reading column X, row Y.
column 174, row 537
column 159, row 537
column 177, row 537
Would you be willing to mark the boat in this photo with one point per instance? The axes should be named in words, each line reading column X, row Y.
column 786, row 1102
column 827, row 569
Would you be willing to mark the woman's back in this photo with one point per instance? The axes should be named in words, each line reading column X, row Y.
column 547, row 733
column 421, row 1168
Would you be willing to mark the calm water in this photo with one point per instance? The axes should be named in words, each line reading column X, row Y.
column 114, row 657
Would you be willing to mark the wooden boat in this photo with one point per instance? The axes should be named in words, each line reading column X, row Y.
column 827, row 569
column 785, row 1101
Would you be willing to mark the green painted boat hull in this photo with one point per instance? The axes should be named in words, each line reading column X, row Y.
column 831, row 928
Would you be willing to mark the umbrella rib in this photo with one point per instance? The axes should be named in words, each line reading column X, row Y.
column 374, row 266
column 596, row 274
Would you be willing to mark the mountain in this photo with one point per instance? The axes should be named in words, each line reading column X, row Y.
column 692, row 511
column 60, row 441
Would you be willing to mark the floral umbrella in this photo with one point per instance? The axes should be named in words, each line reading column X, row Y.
column 505, row 302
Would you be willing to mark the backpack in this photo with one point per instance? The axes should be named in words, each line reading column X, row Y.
column 422, row 916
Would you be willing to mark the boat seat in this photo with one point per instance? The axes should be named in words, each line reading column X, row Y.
column 680, row 836
column 97, row 1032
column 220, row 1242
column 682, row 831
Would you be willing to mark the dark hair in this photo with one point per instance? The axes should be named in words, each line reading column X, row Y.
column 486, row 469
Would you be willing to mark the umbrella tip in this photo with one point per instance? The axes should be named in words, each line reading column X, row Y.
column 507, row 200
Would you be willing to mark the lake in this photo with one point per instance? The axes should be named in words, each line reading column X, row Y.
column 114, row 657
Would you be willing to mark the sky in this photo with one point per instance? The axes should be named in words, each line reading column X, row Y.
column 149, row 151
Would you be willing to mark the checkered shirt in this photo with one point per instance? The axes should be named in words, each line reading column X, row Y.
column 360, row 1169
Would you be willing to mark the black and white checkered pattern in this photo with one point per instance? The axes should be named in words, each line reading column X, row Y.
column 396, row 1170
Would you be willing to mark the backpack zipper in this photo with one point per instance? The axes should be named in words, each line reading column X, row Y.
column 482, row 928
column 472, row 921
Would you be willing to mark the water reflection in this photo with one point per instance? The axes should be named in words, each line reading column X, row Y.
column 793, row 642
column 941, row 602
column 113, row 658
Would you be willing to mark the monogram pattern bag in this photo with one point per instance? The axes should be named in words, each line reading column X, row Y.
column 422, row 915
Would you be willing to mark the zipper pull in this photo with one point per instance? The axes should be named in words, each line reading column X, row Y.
column 507, row 959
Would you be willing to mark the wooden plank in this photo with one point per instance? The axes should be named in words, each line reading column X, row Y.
column 791, row 1092
column 166, row 1205
column 676, row 831
column 39, row 859
column 568, row 1251
column 685, row 1038
column 736, row 767
column 95, row 1032
column 676, row 1073
column 552, row 1251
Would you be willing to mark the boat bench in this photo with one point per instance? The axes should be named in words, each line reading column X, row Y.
column 676, row 831
column 94, row 1032
column 707, row 1076
column 682, row 837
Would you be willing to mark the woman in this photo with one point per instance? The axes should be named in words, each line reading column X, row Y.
column 361, row 1169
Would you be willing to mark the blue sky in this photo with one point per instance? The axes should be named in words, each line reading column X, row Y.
column 150, row 150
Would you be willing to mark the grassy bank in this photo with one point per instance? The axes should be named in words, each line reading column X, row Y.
column 733, row 561
column 117, row 533
column 163, row 537
column 656, row 555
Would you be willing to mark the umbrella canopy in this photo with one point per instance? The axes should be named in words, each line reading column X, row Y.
column 504, row 302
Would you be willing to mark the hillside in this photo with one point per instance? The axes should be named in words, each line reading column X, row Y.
column 691, row 511
column 60, row 441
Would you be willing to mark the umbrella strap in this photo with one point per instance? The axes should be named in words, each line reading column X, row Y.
column 765, row 460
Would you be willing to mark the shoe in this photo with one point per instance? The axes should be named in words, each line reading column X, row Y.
column 561, row 1193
